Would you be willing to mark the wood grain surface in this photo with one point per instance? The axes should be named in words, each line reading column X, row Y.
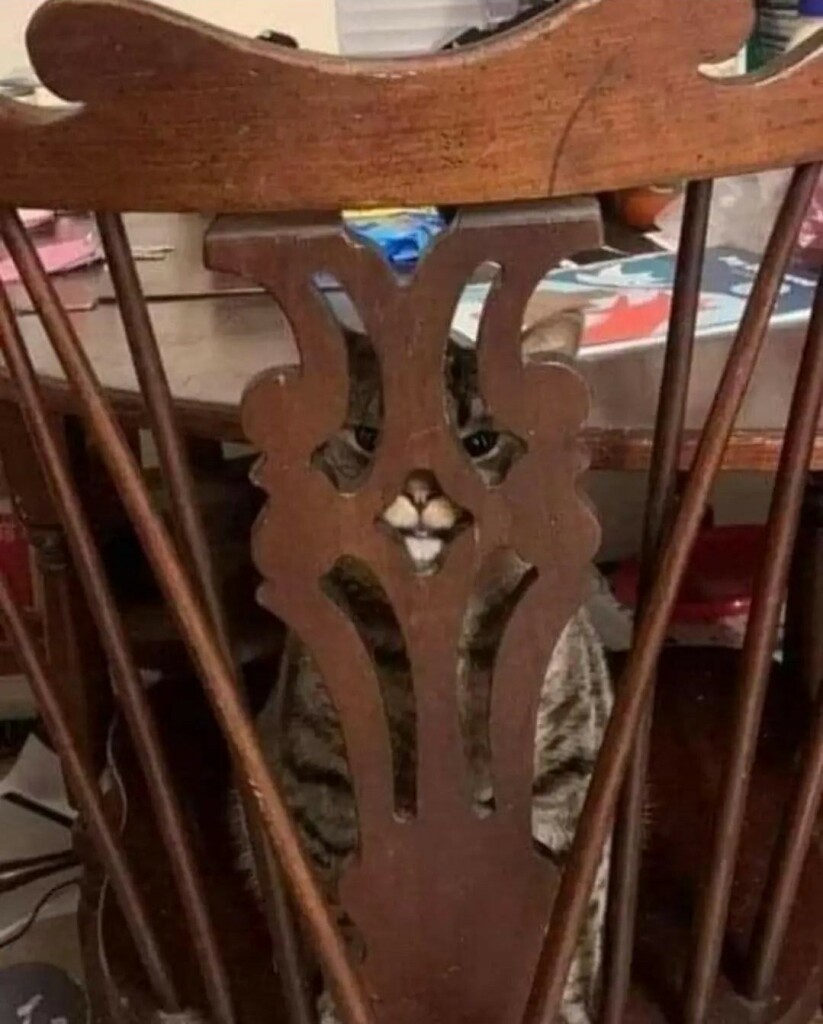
column 468, row 949
column 594, row 94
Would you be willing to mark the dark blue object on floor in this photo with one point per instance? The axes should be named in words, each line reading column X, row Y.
column 40, row 994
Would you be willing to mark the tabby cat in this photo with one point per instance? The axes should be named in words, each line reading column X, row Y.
column 299, row 728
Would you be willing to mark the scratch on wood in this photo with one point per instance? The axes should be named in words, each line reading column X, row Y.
column 575, row 113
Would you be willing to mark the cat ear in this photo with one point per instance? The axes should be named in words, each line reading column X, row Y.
column 552, row 334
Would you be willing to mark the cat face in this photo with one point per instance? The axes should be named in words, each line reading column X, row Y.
column 422, row 516
column 424, row 519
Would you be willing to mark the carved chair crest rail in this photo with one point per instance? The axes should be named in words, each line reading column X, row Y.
column 714, row 916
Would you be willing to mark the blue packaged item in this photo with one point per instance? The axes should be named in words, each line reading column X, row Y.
column 402, row 235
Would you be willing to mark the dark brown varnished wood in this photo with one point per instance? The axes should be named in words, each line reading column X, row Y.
column 470, row 950
column 519, row 118
column 232, row 337
column 749, row 450
column 803, row 643
column 668, row 440
column 85, row 788
column 601, row 798
column 127, row 682
column 693, row 703
column 755, row 663
column 193, row 543
column 782, row 890
column 60, row 618
column 692, row 724
column 453, row 906
column 201, row 762
column 208, row 654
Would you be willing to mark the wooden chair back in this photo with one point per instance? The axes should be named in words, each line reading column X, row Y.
column 462, row 919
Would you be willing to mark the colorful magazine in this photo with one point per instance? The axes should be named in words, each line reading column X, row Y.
column 627, row 301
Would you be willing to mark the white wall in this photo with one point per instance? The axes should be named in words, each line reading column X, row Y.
column 411, row 26
column 312, row 22
column 16, row 14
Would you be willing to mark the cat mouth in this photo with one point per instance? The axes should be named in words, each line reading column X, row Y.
column 424, row 549
column 424, row 528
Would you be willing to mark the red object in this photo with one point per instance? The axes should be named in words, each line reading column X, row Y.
column 640, row 207
column 719, row 579
column 627, row 320
column 15, row 560
column 810, row 240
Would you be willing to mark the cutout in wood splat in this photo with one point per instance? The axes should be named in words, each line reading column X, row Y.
column 356, row 591
column 500, row 585
column 425, row 520
column 347, row 456
column 490, row 448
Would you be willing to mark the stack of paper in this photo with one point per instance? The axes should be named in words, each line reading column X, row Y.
column 63, row 244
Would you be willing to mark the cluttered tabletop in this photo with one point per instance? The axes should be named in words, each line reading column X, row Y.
column 217, row 332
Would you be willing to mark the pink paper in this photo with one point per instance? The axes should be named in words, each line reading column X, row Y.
column 33, row 219
column 57, row 254
column 810, row 242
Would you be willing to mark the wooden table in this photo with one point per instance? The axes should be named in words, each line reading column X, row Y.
column 217, row 333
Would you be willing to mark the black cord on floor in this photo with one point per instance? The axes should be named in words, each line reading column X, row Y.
column 32, row 918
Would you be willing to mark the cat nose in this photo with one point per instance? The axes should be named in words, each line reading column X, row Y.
column 421, row 488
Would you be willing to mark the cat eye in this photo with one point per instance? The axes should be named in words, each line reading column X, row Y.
column 480, row 443
column 366, row 438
